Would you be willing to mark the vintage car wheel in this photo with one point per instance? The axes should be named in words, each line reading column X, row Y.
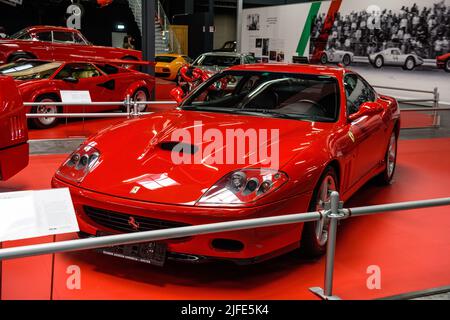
column 379, row 62
column 346, row 60
column 410, row 64
column 19, row 56
column 141, row 95
column 447, row 65
column 324, row 59
column 315, row 234
column 387, row 175
column 45, row 122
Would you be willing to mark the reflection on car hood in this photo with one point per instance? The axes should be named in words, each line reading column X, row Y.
column 137, row 153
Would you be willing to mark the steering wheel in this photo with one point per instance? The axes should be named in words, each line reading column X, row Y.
column 316, row 104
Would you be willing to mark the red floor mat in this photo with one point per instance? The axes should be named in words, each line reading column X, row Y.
column 411, row 248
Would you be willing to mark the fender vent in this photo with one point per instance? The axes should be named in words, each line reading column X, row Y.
column 180, row 146
column 17, row 128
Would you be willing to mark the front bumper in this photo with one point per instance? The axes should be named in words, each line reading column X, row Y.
column 257, row 244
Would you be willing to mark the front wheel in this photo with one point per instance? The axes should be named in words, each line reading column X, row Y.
column 390, row 159
column 45, row 122
column 378, row 63
column 324, row 59
column 410, row 64
column 141, row 95
column 346, row 60
column 315, row 234
column 447, row 65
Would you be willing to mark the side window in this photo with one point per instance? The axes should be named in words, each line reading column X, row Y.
column 78, row 39
column 44, row 36
column 78, row 71
column 357, row 92
column 62, row 37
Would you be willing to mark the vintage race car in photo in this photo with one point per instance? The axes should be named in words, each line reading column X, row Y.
column 58, row 43
column 394, row 57
column 336, row 56
column 14, row 150
column 42, row 81
column 168, row 65
column 325, row 129
column 443, row 62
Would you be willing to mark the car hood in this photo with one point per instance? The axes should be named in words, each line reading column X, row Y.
column 137, row 155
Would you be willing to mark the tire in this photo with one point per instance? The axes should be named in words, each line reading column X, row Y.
column 141, row 94
column 385, row 178
column 346, row 60
column 45, row 123
column 315, row 234
column 19, row 56
column 410, row 64
column 447, row 65
column 324, row 59
column 378, row 62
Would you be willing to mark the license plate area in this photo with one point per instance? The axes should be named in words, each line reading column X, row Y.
column 154, row 253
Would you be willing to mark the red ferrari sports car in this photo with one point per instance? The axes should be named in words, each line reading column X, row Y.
column 329, row 130
column 443, row 62
column 13, row 130
column 58, row 43
column 42, row 81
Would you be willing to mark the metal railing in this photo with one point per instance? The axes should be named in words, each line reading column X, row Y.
column 131, row 109
column 334, row 211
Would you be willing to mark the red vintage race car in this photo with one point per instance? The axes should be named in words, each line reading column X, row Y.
column 277, row 140
column 58, row 43
column 13, row 130
column 42, row 81
column 443, row 62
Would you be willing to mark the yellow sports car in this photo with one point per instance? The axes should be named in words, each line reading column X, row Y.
column 168, row 65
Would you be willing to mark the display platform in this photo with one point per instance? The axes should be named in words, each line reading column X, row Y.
column 410, row 248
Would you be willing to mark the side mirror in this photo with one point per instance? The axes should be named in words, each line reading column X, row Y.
column 366, row 109
column 177, row 93
column 70, row 80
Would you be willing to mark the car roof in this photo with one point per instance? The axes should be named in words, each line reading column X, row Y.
column 219, row 53
column 292, row 68
column 50, row 28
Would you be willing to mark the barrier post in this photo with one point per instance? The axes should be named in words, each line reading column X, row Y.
column 127, row 103
column 436, row 117
column 334, row 213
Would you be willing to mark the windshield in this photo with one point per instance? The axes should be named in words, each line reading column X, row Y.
column 28, row 70
column 21, row 35
column 164, row 59
column 216, row 60
column 270, row 94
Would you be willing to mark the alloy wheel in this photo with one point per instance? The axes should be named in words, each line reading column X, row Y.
column 328, row 185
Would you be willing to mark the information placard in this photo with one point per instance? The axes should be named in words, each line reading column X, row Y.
column 30, row 214
column 77, row 96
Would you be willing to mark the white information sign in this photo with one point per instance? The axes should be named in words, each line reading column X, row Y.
column 75, row 96
column 30, row 214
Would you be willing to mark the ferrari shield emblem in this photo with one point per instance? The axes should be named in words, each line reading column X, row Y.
column 135, row 190
column 350, row 134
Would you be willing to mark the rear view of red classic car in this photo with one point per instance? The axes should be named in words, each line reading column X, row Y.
column 13, row 130
column 58, row 43
column 329, row 131
column 443, row 62
column 42, row 81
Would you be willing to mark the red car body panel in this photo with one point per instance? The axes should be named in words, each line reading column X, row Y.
column 46, row 50
column 441, row 60
column 126, row 81
column 13, row 130
column 306, row 149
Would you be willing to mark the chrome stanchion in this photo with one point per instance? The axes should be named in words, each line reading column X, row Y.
column 334, row 213
column 127, row 103
column 436, row 116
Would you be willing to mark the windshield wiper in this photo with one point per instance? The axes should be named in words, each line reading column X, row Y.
column 213, row 109
column 268, row 112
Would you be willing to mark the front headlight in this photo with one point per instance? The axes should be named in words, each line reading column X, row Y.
column 79, row 164
column 243, row 186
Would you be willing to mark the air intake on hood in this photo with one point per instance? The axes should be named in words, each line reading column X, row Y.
column 179, row 147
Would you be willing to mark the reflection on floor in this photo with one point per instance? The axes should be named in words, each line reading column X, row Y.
column 410, row 248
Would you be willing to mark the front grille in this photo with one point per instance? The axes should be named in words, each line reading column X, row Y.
column 123, row 222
